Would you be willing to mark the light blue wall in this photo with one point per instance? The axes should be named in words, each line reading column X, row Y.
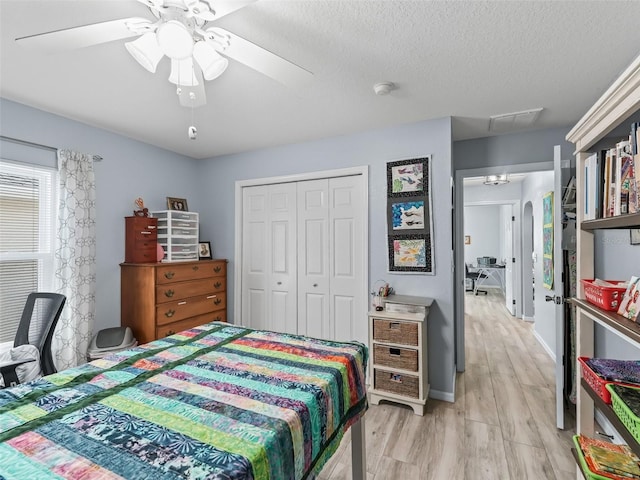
column 511, row 149
column 217, row 179
column 130, row 169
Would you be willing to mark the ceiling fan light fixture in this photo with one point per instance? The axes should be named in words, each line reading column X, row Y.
column 211, row 62
column 146, row 51
column 175, row 40
column 182, row 73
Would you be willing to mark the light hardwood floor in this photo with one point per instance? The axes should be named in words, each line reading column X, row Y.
column 501, row 426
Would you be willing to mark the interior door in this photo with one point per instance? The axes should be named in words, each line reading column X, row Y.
column 509, row 220
column 269, row 257
column 347, row 265
column 556, row 295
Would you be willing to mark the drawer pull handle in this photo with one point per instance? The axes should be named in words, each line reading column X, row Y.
column 217, row 319
column 211, row 296
column 217, row 301
column 182, row 303
column 394, row 326
column 394, row 351
column 169, row 275
column 217, row 285
column 169, row 313
column 170, row 332
column 145, row 233
column 151, row 227
column 169, row 293
column 279, row 283
column 217, row 269
column 315, row 284
column 195, row 268
column 395, row 377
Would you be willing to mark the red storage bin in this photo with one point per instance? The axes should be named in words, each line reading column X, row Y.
column 597, row 383
column 607, row 298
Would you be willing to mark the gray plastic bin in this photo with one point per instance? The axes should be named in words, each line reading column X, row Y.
column 110, row 340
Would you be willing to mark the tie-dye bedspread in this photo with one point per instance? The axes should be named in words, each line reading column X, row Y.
column 214, row 402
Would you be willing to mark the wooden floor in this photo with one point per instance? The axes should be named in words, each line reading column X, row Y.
column 501, row 426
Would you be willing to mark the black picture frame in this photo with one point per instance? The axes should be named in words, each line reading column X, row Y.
column 409, row 216
column 204, row 251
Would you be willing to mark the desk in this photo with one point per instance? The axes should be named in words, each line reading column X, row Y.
column 489, row 276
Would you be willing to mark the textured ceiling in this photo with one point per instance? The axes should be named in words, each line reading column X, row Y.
column 469, row 60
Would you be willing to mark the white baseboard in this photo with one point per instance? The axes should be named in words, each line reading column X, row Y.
column 546, row 347
column 445, row 396
column 529, row 319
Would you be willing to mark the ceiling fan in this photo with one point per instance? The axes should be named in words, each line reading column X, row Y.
column 181, row 31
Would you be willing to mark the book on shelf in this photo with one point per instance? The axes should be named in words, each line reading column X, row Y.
column 631, row 300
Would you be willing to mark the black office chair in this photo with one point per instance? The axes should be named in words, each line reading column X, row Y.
column 473, row 276
column 37, row 324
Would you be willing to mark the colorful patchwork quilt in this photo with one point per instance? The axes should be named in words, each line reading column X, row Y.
column 214, row 402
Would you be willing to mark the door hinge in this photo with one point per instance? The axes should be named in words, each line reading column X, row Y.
column 513, row 218
column 513, row 260
column 513, row 301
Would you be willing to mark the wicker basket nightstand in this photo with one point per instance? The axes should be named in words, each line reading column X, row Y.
column 398, row 345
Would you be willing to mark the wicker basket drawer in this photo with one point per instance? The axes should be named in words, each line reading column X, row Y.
column 404, row 333
column 403, row 358
column 406, row 385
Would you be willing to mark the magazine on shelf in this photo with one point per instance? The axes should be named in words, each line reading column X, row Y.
column 631, row 300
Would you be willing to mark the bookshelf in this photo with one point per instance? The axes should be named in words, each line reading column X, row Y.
column 617, row 105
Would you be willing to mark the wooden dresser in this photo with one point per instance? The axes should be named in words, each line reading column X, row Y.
column 160, row 299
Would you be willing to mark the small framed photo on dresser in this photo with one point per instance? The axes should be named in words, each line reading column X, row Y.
column 204, row 251
column 180, row 204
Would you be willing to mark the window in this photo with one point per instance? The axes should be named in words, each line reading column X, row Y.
column 27, row 238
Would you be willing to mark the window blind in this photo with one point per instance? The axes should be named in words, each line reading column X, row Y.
column 27, row 238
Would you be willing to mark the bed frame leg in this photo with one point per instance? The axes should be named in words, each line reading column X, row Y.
column 358, row 454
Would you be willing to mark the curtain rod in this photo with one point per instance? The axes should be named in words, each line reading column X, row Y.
column 96, row 158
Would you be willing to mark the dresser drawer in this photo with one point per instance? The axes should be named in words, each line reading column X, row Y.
column 175, row 327
column 170, row 292
column 397, row 383
column 144, row 254
column 392, row 331
column 395, row 357
column 190, row 271
column 178, row 310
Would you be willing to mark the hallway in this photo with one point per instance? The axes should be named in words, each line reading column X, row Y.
column 502, row 425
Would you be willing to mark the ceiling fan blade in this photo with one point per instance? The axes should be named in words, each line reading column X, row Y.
column 84, row 36
column 262, row 60
column 199, row 97
column 225, row 7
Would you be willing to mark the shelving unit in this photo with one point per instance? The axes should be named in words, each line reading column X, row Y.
column 178, row 235
column 614, row 108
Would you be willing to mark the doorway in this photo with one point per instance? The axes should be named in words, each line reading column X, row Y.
column 460, row 176
column 528, row 273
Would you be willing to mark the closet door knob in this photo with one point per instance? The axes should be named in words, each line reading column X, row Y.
column 279, row 283
column 315, row 284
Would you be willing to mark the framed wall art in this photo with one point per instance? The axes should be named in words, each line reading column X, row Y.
column 409, row 218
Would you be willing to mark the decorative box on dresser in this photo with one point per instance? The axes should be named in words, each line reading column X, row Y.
column 160, row 299
column 140, row 239
column 620, row 102
column 398, row 346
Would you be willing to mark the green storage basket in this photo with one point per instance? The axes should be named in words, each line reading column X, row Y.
column 624, row 413
column 589, row 475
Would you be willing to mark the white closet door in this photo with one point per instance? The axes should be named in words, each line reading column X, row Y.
column 269, row 257
column 313, row 260
column 347, row 307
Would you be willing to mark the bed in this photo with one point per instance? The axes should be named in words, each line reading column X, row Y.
column 214, row 402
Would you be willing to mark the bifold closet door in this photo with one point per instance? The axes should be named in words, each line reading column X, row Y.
column 330, row 266
column 269, row 257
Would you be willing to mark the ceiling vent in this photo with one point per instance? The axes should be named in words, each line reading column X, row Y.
column 513, row 121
